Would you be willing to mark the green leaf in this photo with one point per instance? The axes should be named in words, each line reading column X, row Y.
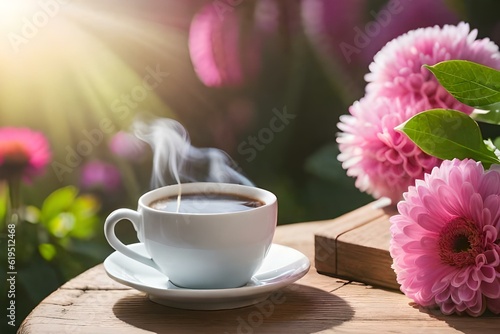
column 3, row 202
column 57, row 202
column 32, row 214
column 47, row 251
column 61, row 225
column 473, row 84
column 84, row 210
column 324, row 164
column 85, row 205
column 448, row 134
column 490, row 116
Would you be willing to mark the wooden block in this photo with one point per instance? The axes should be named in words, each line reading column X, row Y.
column 355, row 246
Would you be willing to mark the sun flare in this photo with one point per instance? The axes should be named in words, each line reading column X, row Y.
column 67, row 66
column 10, row 8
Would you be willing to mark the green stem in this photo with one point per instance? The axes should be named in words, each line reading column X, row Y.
column 14, row 213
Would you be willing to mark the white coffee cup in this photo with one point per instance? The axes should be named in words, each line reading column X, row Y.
column 200, row 250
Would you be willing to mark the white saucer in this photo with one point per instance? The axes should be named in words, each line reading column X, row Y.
column 281, row 267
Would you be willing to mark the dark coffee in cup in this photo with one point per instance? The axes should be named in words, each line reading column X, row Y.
column 206, row 203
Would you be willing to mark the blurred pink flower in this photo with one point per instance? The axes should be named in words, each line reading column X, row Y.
column 445, row 239
column 23, row 153
column 328, row 23
column 397, row 68
column 224, row 46
column 383, row 161
column 128, row 146
column 279, row 21
column 409, row 15
column 100, row 175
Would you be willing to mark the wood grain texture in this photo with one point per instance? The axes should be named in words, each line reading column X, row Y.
column 357, row 247
column 325, row 240
column 363, row 254
column 93, row 303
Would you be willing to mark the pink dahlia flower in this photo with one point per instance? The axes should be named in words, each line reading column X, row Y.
column 222, row 52
column 383, row 161
column 23, row 153
column 397, row 68
column 446, row 239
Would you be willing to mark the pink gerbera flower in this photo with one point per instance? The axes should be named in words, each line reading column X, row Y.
column 397, row 68
column 446, row 239
column 383, row 161
column 23, row 153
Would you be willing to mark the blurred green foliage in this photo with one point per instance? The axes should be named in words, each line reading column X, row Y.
column 53, row 244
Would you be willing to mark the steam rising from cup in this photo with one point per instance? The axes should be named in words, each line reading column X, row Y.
column 176, row 160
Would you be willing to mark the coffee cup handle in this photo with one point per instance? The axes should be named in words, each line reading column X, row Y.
column 109, row 231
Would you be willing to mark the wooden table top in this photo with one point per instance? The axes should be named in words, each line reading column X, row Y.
column 94, row 303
